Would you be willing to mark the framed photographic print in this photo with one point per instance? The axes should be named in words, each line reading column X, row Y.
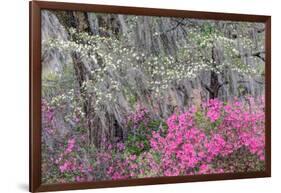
column 123, row 96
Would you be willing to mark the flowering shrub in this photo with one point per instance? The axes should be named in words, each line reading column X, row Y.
column 214, row 138
column 140, row 116
column 61, row 160
column 189, row 149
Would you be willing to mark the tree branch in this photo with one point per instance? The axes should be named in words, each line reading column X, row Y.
column 207, row 87
column 221, row 84
column 256, row 54
column 179, row 23
column 259, row 55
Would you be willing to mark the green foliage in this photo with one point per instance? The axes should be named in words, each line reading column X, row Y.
column 54, row 83
column 155, row 125
column 138, row 141
column 202, row 121
column 137, row 144
column 207, row 29
column 130, row 96
column 80, row 130
column 241, row 90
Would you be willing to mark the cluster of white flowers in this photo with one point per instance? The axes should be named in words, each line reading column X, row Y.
column 113, row 61
column 74, row 110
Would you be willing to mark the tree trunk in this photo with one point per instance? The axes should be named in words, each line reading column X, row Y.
column 214, row 85
column 81, row 24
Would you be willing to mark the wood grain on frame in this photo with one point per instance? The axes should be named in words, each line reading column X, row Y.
column 35, row 93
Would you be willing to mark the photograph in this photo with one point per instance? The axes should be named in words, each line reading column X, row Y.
column 128, row 96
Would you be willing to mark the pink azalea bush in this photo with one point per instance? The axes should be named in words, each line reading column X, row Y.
column 141, row 115
column 189, row 149
column 218, row 137
column 61, row 161
column 66, row 164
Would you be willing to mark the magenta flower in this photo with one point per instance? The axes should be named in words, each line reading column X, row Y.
column 65, row 166
column 70, row 145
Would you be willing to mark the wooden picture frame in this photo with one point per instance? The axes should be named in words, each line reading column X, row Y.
column 35, row 94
